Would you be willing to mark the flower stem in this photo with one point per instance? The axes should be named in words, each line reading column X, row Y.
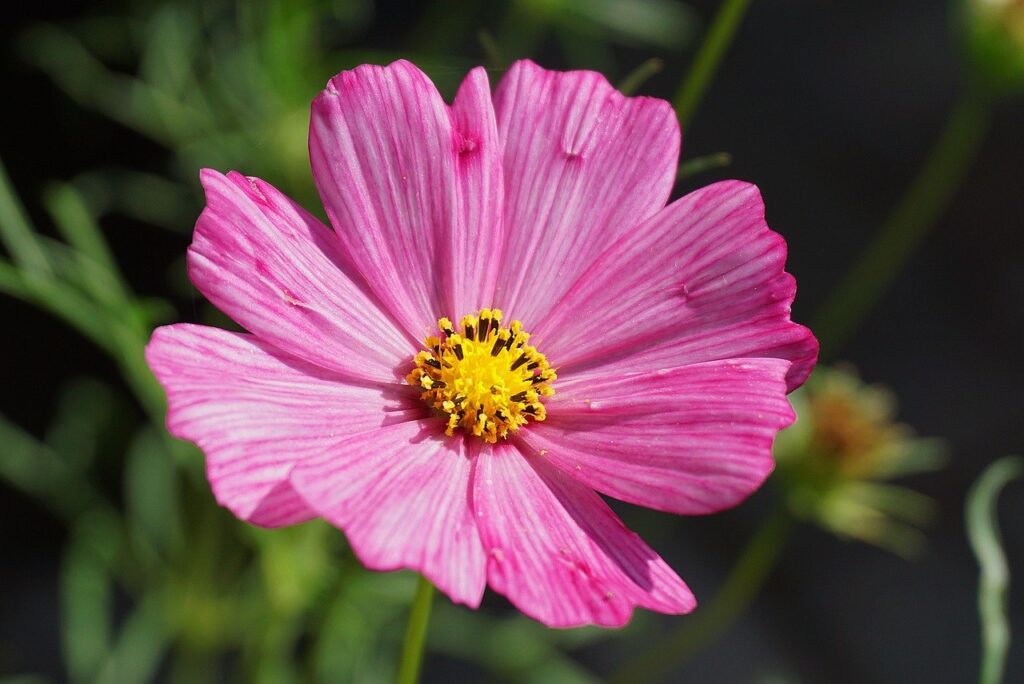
column 994, row 584
column 751, row 570
column 416, row 633
column 705, row 63
column 925, row 200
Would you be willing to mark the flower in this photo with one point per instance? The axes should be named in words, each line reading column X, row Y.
column 835, row 459
column 605, row 341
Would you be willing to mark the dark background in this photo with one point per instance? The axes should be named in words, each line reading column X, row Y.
column 829, row 107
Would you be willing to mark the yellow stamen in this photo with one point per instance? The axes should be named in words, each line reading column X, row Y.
column 485, row 379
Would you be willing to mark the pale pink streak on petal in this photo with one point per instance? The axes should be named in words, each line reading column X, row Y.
column 558, row 552
column 702, row 280
column 690, row 440
column 278, row 272
column 256, row 412
column 583, row 165
column 401, row 494
column 408, row 184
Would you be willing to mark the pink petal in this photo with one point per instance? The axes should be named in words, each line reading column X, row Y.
column 412, row 187
column 255, row 412
column 278, row 272
column 702, row 280
column 689, row 440
column 584, row 165
column 401, row 494
column 558, row 552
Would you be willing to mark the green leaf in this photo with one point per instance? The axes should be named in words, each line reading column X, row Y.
column 151, row 493
column 77, row 224
column 86, row 409
column 994, row 584
column 139, row 195
column 516, row 648
column 142, row 642
column 130, row 101
column 60, row 300
column 32, row 467
column 17, row 233
column 86, row 593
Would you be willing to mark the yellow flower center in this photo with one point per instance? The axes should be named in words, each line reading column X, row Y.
column 486, row 379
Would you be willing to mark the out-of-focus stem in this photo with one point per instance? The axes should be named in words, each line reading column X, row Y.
column 416, row 633
column 994, row 584
column 709, row 622
column 708, row 162
column 925, row 200
column 705, row 63
column 637, row 77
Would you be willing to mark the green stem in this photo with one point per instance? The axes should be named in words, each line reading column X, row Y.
column 637, row 77
column 925, row 200
column 705, row 64
column 708, row 162
column 994, row 583
column 416, row 633
column 740, row 588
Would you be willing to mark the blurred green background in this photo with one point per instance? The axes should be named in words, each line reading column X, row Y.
column 117, row 565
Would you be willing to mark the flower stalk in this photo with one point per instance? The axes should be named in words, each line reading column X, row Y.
column 709, row 55
column 416, row 633
column 925, row 200
column 986, row 542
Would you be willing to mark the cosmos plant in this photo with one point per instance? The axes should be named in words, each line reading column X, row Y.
column 502, row 322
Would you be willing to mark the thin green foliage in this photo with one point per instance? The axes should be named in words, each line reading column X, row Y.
column 994, row 584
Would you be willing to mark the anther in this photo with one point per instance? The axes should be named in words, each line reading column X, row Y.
column 476, row 377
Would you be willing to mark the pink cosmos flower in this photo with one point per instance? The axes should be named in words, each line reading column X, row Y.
column 649, row 358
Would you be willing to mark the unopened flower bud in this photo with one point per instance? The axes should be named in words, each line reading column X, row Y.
column 994, row 35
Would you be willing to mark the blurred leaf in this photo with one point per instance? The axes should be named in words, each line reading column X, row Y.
column 75, row 222
column 16, row 232
column 994, row 585
column 35, row 469
column 891, row 500
column 172, row 42
column 559, row 671
column 85, row 410
column 516, row 647
column 661, row 23
column 919, row 455
column 143, row 196
column 59, row 300
column 86, row 591
column 141, row 644
column 850, row 518
column 125, row 99
column 151, row 496
column 75, row 272
column 360, row 633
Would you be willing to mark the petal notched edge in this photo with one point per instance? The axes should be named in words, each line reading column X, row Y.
column 556, row 550
column 691, row 440
column 585, row 164
column 277, row 271
column 702, row 280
